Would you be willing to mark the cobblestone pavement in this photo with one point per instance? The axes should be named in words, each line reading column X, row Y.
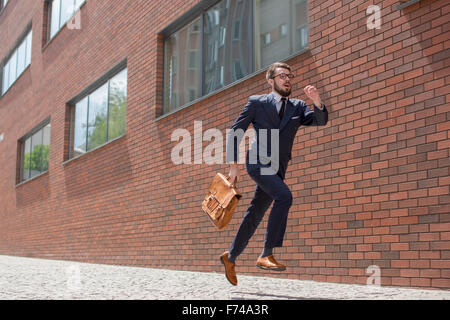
column 40, row 279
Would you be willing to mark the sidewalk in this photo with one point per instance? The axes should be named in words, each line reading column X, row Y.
column 40, row 279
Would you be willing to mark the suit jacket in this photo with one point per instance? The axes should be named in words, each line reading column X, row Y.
column 261, row 112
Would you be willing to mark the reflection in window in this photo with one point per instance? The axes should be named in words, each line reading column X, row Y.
column 56, row 12
column 220, row 51
column 3, row 4
column 281, row 35
column 239, row 38
column 45, row 147
column 13, row 68
column 117, row 105
column 36, row 152
column 97, row 115
column 26, row 160
column 183, row 66
column 101, row 116
column 80, row 127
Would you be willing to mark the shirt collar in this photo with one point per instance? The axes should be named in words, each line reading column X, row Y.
column 278, row 97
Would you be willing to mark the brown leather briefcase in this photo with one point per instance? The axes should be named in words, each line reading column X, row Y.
column 221, row 201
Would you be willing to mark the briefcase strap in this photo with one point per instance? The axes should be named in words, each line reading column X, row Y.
column 212, row 205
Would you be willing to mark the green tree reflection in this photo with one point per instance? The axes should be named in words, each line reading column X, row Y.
column 104, row 129
column 39, row 159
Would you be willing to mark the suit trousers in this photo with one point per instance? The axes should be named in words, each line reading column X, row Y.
column 269, row 188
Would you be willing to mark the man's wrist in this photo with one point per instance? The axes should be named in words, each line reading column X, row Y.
column 318, row 104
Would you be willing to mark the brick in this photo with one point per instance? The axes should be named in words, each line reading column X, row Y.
column 440, row 227
column 440, row 283
column 420, row 282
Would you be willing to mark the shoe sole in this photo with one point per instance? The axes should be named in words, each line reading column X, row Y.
column 221, row 260
column 273, row 269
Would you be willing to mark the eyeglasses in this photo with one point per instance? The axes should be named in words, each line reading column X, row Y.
column 283, row 76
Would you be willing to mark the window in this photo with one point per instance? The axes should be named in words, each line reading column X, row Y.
column 18, row 61
column 35, row 151
column 222, row 35
column 238, row 70
column 237, row 31
column 260, row 33
column 266, row 38
column 60, row 12
column 302, row 37
column 193, row 59
column 3, row 4
column 100, row 116
column 406, row 3
column 183, row 65
column 218, row 63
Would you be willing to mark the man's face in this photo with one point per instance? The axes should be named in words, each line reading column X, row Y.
column 281, row 83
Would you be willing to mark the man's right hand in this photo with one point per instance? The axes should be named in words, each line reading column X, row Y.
column 234, row 174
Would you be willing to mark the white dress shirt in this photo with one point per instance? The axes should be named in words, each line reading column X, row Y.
column 278, row 101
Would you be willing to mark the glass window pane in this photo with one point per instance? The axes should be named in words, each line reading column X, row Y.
column 26, row 160
column 117, row 105
column 78, row 4
column 98, row 104
column 56, row 10
column 183, row 66
column 67, row 10
column 283, row 33
column 45, row 147
column 36, row 154
column 5, row 80
column 12, row 68
column 271, row 44
column 29, row 47
column 301, row 24
column 80, row 128
column 222, row 49
column 21, row 58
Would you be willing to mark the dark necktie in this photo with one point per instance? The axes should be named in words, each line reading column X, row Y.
column 283, row 106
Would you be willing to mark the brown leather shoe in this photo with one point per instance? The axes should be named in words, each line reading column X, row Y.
column 230, row 272
column 269, row 263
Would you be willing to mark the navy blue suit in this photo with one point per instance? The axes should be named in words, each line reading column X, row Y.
column 261, row 112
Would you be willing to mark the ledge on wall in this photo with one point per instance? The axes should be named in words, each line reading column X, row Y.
column 406, row 3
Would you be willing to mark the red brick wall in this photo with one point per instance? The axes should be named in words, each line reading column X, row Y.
column 370, row 188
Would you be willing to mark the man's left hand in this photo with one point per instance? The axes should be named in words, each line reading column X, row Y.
column 312, row 93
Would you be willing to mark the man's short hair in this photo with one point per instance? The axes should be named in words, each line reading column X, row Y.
column 271, row 71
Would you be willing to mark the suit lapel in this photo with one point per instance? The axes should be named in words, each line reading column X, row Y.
column 272, row 110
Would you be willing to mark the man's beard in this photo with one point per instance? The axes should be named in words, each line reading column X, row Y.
column 283, row 92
